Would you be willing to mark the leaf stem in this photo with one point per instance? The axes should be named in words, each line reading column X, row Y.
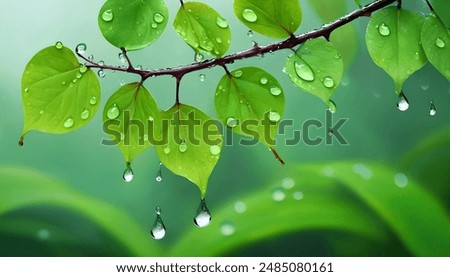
column 277, row 156
column 124, row 52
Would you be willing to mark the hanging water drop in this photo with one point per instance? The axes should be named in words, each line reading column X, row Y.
column 122, row 57
column 81, row 48
column 202, row 77
column 69, row 123
column 275, row 91
column 107, row 15
column 332, row 106
column 328, row 82
column 128, row 173
column 403, row 103
column 433, row 110
column 232, row 122
column 440, row 43
column 113, row 112
column 384, row 30
column 101, row 73
column 91, row 58
column 199, row 57
column 159, row 18
column 159, row 174
column 304, row 72
column 158, row 230
column 85, row 114
column 59, row 45
column 183, row 146
column 221, row 22
column 274, row 116
column 250, row 33
column 215, row 150
column 203, row 216
column 249, row 15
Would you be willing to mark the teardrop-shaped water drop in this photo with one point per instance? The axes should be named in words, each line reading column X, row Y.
column 328, row 82
column 159, row 18
column 93, row 101
column 433, row 110
column 183, row 146
column 108, row 15
column 249, row 15
column 384, row 30
column 128, row 174
column 69, row 123
column 101, row 63
column 159, row 173
column 203, row 216
column 202, row 77
column 122, row 57
column 221, row 22
column 158, row 230
column 85, row 114
column 113, row 112
column 101, row 73
column 215, row 149
column 232, row 122
column 274, row 116
column 264, row 80
column 250, row 33
column 81, row 48
column 332, row 106
column 59, row 45
column 403, row 103
column 440, row 43
column 83, row 69
column 304, row 71
column 275, row 91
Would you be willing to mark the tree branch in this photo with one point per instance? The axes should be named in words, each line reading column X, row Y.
column 255, row 51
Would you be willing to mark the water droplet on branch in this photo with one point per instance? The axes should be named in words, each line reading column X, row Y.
column 203, row 216
column 81, row 48
column 158, row 230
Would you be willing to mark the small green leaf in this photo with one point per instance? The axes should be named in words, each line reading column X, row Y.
column 132, row 119
column 393, row 42
column 317, row 68
column 203, row 28
column 440, row 7
column 272, row 18
column 250, row 102
column 193, row 143
column 436, row 43
column 58, row 92
column 133, row 24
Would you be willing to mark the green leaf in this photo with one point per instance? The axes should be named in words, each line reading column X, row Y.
column 250, row 102
column 435, row 43
column 361, row 199
column 203, row 28
column 59, row 95
column 132, row 119
column 272, row 18
column 440, row 7
column 133, row 24
column 193, row 143
column 24, row 188
column 393, row 42
column 317, row 68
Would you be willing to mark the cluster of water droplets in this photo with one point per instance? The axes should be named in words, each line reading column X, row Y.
column 158, row 18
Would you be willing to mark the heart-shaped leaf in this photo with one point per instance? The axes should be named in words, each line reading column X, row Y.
column 193, row 143
column 393, row 42
column 59, row 95
column 317, row 68
column 133, row 24
column 272, row 18
column 132, row 119
column 203, row 28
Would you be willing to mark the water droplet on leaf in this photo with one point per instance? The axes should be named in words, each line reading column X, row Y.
column 332, row 106
column 278, row 195
column 167, row 150
column 249, row 15
column 275, row 91
column 59, row 45
column 203, row 216
column 159, row 18
column 238, row 74
column 83, row 69
column 69, row 123
column 128, row 174
column 108, row 15
column 221, row 22
column 93, row 101
column 264, row 80
column 183, row 146
column 215, row 149
column 158, row 230
column 304, row 72
column 113, row 112
column 85, row 114
column 232, row 122
column 401, row 180
column 440, row 43
column 274, row 116
column 403, row 103
column 384, row 30
column 328, row 82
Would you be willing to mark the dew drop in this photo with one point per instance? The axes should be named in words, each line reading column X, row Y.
column 202, row 77
column 219, row 40
column 227, row 229
column 274, row 116
column 26, row 90
column 232, row 122
column 158, row 230
column 122, row 57
column 113, row 112
column 91, row 58
column 93, row 101
column 203, row 216
column 440, row 43
column 128, row 174
column 83, row 69
column 238, row 74
column 221, row 22
column 264, row 80
column 332, row 106
column 250, row 33
column 159, row 18
column 59, row 45
column 403, row 103
column 401, row 180
column 275, row 91
column 433, row 110
column 107, row 15
column 81, row 48
column 78, row 76
column 298, row 195
column 249, row 15
column 304, row 71
column 69, row 123
column 240, row 207
column 288, row 183
column 278, row 195
column 101, row 73
column 154, row 25
column 384, row 30
column 215, row 149
column 85, row 114
column 183, row 146
column 167, row 150
column 328, row 82
column 101, row 63
column 199, row 57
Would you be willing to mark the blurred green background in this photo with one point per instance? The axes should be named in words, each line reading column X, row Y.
column 385, row 194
